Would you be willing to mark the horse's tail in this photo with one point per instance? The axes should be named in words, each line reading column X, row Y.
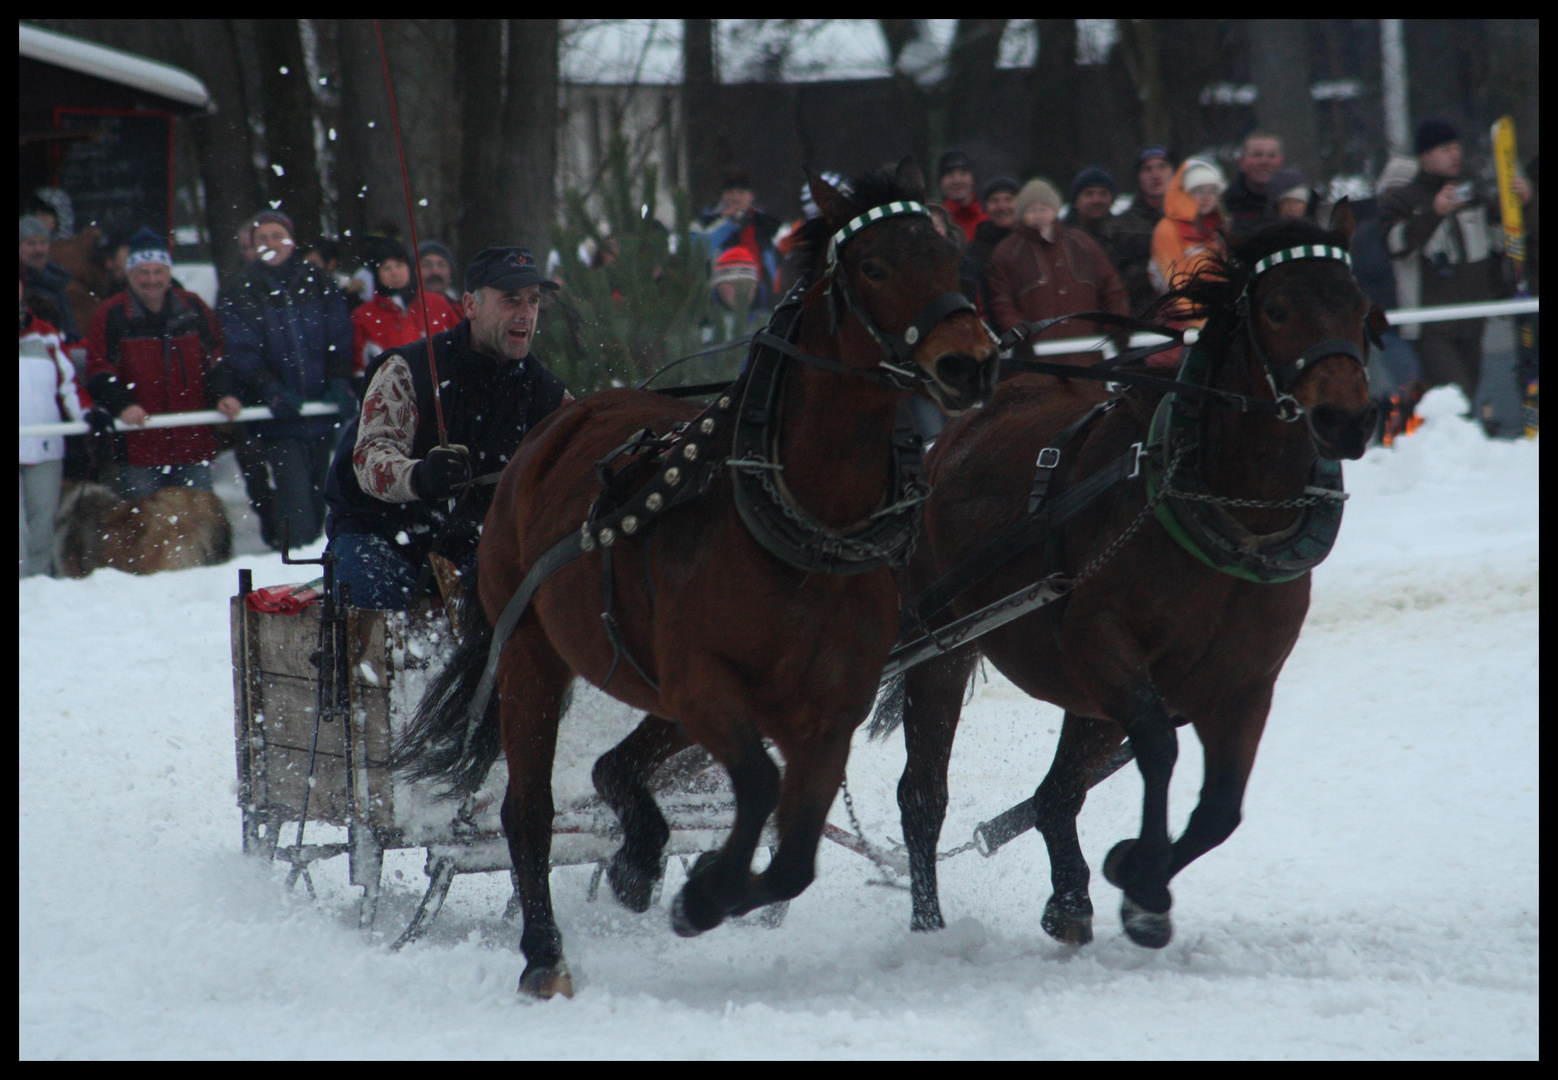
column 889, row 709
column 435, row 745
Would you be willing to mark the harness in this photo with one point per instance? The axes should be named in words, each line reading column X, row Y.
column 745, row 439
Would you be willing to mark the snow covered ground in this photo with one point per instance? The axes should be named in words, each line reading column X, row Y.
column 1380, row 900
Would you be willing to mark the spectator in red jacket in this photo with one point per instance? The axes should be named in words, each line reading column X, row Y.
column 48, row 394
column 151, row 349
column 956, row 170
column 394, row 316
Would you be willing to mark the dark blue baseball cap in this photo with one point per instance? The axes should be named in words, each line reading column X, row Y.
column 505, row 268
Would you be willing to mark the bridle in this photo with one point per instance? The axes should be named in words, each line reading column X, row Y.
column 1283, row 378
column 897, row 372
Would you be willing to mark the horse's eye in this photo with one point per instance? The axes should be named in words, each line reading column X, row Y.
column 1276, row 312
column 873, row 270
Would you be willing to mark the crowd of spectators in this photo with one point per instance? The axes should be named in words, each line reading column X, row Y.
column 305, row 324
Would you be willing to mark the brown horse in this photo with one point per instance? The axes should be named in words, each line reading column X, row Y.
column 1155, row 635
column 733, row 643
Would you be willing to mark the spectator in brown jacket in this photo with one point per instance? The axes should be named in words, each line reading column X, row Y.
column 1045, row 270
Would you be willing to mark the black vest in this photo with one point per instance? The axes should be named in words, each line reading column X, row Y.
column 489, row 406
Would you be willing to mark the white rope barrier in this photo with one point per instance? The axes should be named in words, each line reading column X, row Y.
column 1396, row 318
column 171, row 420
column 1043, row 348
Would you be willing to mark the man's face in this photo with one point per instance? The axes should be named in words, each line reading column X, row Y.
column 246, row 243
column 149, row 283
column 272, row 243
column 33, row 252
column 1093, row 203
column 1260, row 159
column 735, row 202
column 957, row 185
column 394, row 274
column 503, row 323
column 1001, row 206
column 1442, row 160
column 436, row 273
column 1152, row 179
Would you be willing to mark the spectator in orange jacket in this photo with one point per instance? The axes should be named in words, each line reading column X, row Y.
column 1192, row 229
column 394, row 316
column 1045, row 270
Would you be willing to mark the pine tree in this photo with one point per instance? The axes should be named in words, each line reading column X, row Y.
column 635, row 294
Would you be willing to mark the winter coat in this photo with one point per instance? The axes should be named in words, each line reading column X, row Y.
column 161, row 362
column 382, row 323
column 49, row 284
column 1439, row 260
column 755, row 231
column 488, row 406
column 48, row 391
column 1031, row 278
column 1247, row 210
column 288, row 333
column 966, row 216
column 987, row 236
column 1131, row 251
column 1182, row 242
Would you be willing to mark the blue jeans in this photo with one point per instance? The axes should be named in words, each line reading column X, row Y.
column 380, row 576
column 134, row 482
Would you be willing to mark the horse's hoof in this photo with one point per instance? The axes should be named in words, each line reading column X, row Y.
column 633, row 888
column 546, row 982
column 1068, row 922
column 682, row 922
column 1149, row 929
column 1114, row 863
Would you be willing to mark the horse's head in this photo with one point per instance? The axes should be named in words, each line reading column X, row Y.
column 897, row 278
column 1312, row 327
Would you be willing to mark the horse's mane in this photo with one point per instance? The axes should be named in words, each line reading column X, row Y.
column 1217, row 286
column 864, row 192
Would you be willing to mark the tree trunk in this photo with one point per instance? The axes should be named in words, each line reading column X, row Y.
column 974, row 115
column 288, row 106
column 478, row 56
column 369, row 171
column 1139, row 43
column 529, row 163
column 700, row 112
column 1279, row 62
column 1056, row 110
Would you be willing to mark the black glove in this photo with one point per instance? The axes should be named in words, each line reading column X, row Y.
column 284, row 403
column 100, row 420
column 441, row 473
column 338, row 392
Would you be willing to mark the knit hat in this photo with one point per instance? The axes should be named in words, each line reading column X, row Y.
column 433, row 247
column 954, row 159
column 1287, row 184
column 997, row 184
column 147, row 247
column 29, row 227
column 1198, row 173
column 274, row 217
column 1037, row 191
column 1433, row 133
column 736, row 265
column 1093, row 176
column 1147, row 153
column 379, row 249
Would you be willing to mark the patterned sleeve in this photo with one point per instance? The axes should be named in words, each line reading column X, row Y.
column 382, row 458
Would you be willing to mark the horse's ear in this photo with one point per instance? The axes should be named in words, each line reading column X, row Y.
column 1376, row 323
column 835, row 206
column 1342, row 223
column 911, row 179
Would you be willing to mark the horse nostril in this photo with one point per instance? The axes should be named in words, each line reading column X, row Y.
column 958, row 370
column 1344, row 431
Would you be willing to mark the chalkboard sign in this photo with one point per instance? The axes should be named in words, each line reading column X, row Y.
column 123, row 178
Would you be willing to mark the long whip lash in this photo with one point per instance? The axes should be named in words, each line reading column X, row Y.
column 411, row 218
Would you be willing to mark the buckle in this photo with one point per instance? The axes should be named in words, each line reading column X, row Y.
column 1049, row 457
column 1140, row 452
column 1288, row 408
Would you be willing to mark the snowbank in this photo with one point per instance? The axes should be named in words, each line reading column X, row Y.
column 1380, row 900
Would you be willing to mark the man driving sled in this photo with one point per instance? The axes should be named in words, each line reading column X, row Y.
column 395, row 495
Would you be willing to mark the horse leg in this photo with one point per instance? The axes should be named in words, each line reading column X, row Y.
column 720, row 880
column 532, row 682
column 933, row 701
column 1229, row 740
column 812, row 776
column 621, row 778
column 1139, row 867
column 1085, row 744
